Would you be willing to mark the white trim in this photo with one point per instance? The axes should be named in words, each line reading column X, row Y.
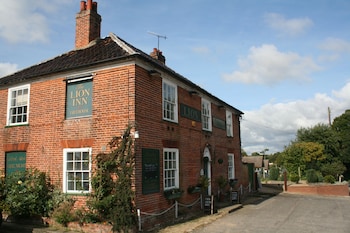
column 10, row 90
column 232, row 175
column 121, row 43
column 177, row 170
column 206, row 103
column 64, row 184
column 176, row 101
column 229, row 118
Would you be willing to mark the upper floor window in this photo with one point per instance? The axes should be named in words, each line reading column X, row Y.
column 171, row 168
column 169, row 101
column 18, row 105
column 206, row 115
column 229, row 125
column 79, row 97
column 77, row 166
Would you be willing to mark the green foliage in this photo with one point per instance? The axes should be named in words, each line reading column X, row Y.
column 341, row 127
column 329, row 179
column 274, row 173
column 113, row 197
column 28, row 193
column 312, row 176
column 322, row 134
column 294, row 177
column 333, row 168
column 64, row 213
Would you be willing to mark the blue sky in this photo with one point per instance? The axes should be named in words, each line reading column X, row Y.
column 282, row 62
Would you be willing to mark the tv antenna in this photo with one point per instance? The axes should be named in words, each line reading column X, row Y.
column 158, row 36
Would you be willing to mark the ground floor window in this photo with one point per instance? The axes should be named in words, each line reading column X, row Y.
column 171, row 168
column 77, row 167
column 231, row 166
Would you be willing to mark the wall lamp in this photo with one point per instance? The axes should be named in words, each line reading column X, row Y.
column 154, row 73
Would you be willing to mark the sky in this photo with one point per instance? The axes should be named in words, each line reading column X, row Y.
column 284, row 63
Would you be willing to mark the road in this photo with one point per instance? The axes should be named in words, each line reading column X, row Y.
column 287, row 213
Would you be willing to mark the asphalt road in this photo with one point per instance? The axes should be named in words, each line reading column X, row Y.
column 287, row 213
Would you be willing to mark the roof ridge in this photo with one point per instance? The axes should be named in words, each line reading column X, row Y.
column 122, row 44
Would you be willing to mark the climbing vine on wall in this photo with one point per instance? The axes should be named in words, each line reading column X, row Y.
column 113, row 195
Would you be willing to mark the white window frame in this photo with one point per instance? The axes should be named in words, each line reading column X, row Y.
column 9, row 103
column 229, row 124
column 206, row 115
column 169, row 99
column 65, row 172
column 173, row 168
column 231, row 166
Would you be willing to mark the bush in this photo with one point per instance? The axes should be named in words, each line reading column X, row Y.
column 64, row 213
column 329, row 179
column 294, row 177
column 274, row 173
column 312, row 176
column 28, row 193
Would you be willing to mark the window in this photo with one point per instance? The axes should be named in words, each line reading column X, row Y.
column 76, row 172
column 169, row 101
column 18, row 105
column 171, row 168
column 229, row 125
column 206, row 115
column 231, row 166
column 79, row 97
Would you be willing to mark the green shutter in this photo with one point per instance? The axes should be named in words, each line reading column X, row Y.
column 15, row 162
column 150, row 171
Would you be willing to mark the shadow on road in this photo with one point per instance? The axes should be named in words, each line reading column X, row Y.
column 265, row 192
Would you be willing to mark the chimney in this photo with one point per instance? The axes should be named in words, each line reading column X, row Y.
column 88, row 24
column 158, row 55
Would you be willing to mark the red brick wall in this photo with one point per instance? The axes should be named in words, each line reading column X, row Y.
column 321, row 189
column 118, row 99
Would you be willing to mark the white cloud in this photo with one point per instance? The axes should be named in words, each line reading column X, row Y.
column 201, row 50
column 285, row 26
column 26, row 21
column 274, row 126
column 7, row 68
column 267, row 65
column 335, row 45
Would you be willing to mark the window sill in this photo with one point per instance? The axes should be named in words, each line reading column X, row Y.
column 19, row 125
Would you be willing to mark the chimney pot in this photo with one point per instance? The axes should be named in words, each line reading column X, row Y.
column 82, row 5
column 89, row 5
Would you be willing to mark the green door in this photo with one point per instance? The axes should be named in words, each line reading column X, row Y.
column 15, row 162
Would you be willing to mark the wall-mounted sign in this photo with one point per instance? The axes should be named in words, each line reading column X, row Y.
column 79, row 99
column 218, row 123
column 190, row 113
column 150, row 171
column 15, row 162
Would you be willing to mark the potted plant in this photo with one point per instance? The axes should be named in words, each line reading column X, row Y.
column 221, row 182
column 193, row 189
column 174, row 193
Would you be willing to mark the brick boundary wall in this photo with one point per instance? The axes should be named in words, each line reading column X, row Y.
column 341, row 189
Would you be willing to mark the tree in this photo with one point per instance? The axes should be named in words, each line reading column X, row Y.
column 322, row 134
column 303, row 155
column 341, row 127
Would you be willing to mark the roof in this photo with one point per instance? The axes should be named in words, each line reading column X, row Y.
column 257, row 160
column 99, row 51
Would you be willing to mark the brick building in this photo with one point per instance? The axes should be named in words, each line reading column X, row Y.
column 64, row 111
